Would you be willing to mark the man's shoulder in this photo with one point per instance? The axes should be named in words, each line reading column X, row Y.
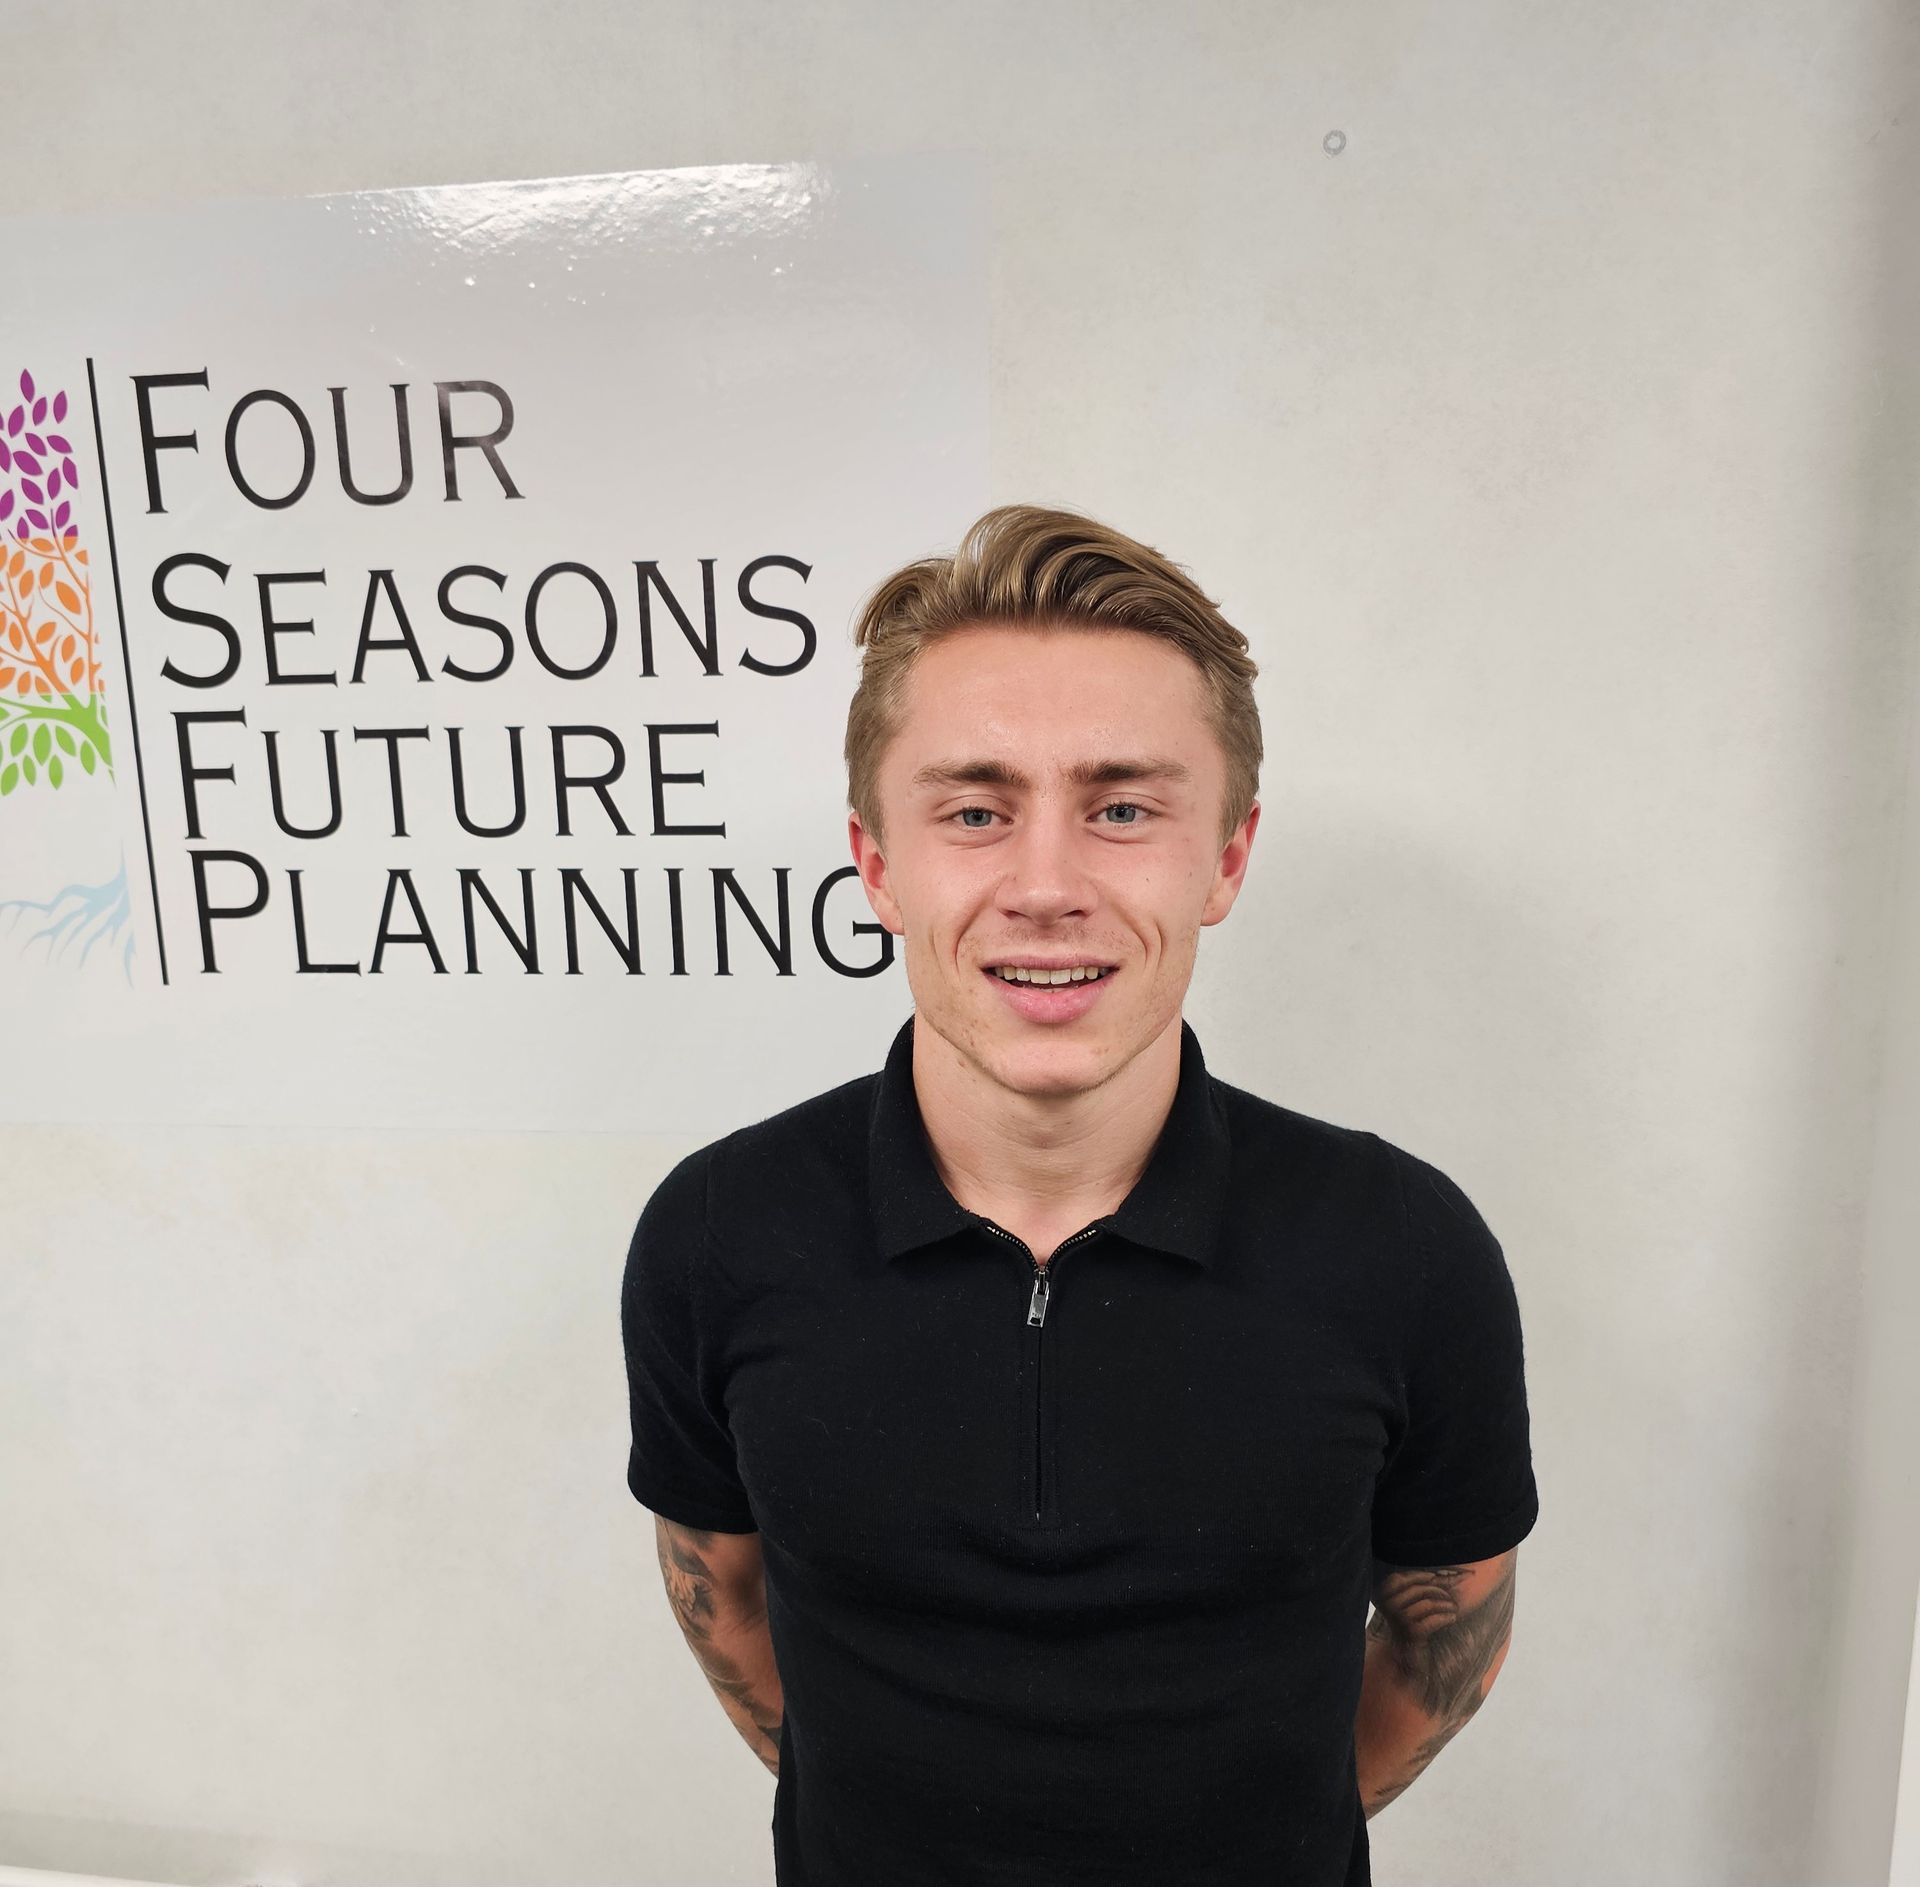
column 780, row 1147
column 1267, row 1122
column 1277, row 1139
column 1266, row 1132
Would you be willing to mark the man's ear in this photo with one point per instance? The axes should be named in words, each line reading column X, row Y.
column 1231, row 872
column 873, row 875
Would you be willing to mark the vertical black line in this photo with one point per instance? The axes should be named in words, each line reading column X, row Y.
column 126, row 665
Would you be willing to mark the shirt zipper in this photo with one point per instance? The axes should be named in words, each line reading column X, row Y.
column 1036, row 1320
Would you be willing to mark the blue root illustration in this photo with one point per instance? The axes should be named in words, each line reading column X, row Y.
column 81, row 914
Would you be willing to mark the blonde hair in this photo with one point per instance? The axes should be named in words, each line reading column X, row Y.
column 1045, row 569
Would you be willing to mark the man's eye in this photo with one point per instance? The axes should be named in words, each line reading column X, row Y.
column 1141, row 814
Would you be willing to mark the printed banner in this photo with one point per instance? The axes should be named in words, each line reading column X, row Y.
column 426, row 658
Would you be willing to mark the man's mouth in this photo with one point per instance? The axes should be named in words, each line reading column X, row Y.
column 1044, row 976
column 1050, row 994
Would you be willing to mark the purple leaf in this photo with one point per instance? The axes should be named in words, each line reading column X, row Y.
column 26, row 384
column 38, row 519
column 15, row 420
column 35, row 441
column 31, row 490
column 73, row 477
column 25, row 461
column 61, row 516
column 57, row 443
column 59, row 406
column 53, row 485
column 6, row 456
column 6, row 505
column 20, row 530
column 39, row 409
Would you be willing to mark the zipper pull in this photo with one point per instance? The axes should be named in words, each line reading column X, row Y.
column 1037, row 1305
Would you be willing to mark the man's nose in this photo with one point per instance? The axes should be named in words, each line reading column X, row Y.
column 1047, row 875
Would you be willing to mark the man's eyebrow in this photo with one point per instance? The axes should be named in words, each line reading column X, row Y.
column 1082, row 773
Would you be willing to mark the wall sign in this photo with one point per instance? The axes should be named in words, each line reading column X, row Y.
column 425, row 653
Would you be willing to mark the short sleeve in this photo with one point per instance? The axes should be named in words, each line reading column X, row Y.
column 1458, row 1483
column 681, row 1464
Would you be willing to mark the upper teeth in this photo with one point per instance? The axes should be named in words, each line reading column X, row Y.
column 1080, row 973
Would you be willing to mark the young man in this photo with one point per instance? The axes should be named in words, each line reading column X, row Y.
column 1029, row 1424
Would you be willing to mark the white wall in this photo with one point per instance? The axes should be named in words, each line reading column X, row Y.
column 1905, row 1871
column 1555, row 443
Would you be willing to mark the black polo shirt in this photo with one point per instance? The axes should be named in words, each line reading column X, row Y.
column 1067, row 1576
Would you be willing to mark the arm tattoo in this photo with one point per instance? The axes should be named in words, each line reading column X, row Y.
column 1437, row 1641
column 1444, row 1651
column 1416, row 1764
column 705, row 1621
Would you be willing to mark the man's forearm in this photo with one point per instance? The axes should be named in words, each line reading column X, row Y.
column 727, row 1631
column 1430, row 1661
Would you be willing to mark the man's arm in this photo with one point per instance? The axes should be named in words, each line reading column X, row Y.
column 716, row 1583
column 1435, row 1643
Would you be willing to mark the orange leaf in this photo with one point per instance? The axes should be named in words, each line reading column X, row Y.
column 46, row 575
column 66, row 648
column 69, row 597
column 73, row 674
column 6, row 675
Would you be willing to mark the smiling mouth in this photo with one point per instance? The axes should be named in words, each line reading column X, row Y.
column 1051, row 979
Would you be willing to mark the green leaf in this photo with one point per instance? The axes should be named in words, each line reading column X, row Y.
column 9, row 777
column 88, row 758
column 26, row 766
column 64, row 736
column 42, row 741
column 53, row 771
column 19, row 739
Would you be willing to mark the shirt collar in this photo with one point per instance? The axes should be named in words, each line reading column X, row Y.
column 1175, row 1206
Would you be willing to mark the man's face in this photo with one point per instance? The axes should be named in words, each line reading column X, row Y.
column 996, row 853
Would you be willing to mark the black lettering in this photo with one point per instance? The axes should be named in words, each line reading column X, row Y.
column 782, row 951
column 393, row 736
column 307, row 457
column 452, row 442
column 177, row 612
column 572, row 885
column 564, row 782
column 609, row 620
column 661, row 780
column 460, row 788
column 750, row 602
column 825, row 949
column 152, row 443
column 676, row 923
column 184, row 721
column 499, row 581
column 208, row 911
column 524, row 947
column 403, row 430
column 302, row 966
column 400, row 878
column 279, row 799
column 380, row 582
column 271, row 627
column 707, row 648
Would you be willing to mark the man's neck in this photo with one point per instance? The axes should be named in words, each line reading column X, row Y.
column 1042, row 1166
